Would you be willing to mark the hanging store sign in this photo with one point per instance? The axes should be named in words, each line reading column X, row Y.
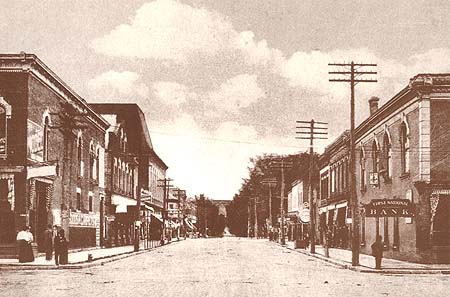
column 389, row 208
column 304, row 215
column 373, row 179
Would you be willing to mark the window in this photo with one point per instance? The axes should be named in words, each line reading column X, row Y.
column 79, row 156
column 404, row 147
column 97, row 164
column 91, row 160
column 3, row 130
column 91, row 203
column 45, row 140
column 387, row 154
column 78, row 201
column 362, row 169
column 375, row 157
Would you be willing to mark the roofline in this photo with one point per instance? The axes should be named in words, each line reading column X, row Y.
column 23, row 57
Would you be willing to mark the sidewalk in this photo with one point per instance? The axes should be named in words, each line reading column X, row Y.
column 343, row 258
column 79, row 258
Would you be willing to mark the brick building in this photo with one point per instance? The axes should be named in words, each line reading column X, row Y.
column 51, row 147
column 402, row 155
column 128, row 155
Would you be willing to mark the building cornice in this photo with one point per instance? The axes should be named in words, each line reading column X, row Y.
column 31, row 64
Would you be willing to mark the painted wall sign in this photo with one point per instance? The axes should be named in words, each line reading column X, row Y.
column 389, row 208
column 84, row 219
column 35, row 144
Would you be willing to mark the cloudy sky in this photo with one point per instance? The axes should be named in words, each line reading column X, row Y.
column 222, row 81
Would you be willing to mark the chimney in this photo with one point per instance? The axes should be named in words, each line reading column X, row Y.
column 373, row 104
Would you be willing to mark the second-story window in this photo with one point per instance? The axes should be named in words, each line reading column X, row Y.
column 362, row 169
column 80, row 156
column 387, row 156
column 91, row 161
column 97, row 164
column 404, row 147
column 45, row 140
column 375, row 157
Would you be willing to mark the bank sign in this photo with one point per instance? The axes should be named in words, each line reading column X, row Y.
column 389, row 208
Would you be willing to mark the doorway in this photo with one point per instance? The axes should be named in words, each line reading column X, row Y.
column 441, row 223
column 41, row 219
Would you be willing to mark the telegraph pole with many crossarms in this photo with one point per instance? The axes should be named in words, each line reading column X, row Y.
column 315, row 130
column 166, row 186
column 353, row 76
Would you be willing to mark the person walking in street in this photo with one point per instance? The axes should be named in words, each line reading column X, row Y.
column 60, row 243
column 24, row 239
column 377, row 251
column 48, row 242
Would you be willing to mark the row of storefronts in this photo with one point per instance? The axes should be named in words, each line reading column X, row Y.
column 66, row 163
column 402, row 176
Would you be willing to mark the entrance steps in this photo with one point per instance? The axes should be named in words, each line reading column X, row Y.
column 8, row 251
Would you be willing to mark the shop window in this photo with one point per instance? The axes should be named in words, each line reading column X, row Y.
column 386, row 233
column 363, row 228
column 404, row 147
column 396, row 243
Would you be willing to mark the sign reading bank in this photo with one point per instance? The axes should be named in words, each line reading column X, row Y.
column 389, row 208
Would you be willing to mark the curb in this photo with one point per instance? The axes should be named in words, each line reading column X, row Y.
column 100, row 261
column 370, row 270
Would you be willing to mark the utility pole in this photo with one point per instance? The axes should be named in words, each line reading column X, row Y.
column 256, row 218
column 354, row 78
column 270, row 182
column 166, row 186
column 282, row 164
column 179, row 194
column 317, row 130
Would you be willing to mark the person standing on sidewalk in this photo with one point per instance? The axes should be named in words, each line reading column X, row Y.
column 61, row 251
column 48, row 242
column 24, row 239
column 377, row 251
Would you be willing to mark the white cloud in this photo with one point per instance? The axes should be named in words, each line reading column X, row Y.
column 172, row 93
column 121, row 86
column 257, row 52
column 168, row 30
column 216, row 161
column 237, row 92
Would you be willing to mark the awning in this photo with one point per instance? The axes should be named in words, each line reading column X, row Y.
column 189, row 224
column 341, row 205
column 121, row 203
column 41, row 171
column 158, row 217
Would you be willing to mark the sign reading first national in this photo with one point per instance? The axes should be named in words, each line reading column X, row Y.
column 389, row 208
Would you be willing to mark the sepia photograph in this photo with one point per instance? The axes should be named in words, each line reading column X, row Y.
column 224, row 148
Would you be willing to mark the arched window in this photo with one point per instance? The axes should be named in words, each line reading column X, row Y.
column 404, row 147
column 97, row 164
column 387, row 155
column 45, row 140
column 80, row 155
column 91, row 160
column 375, row 157
column 362, row 169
